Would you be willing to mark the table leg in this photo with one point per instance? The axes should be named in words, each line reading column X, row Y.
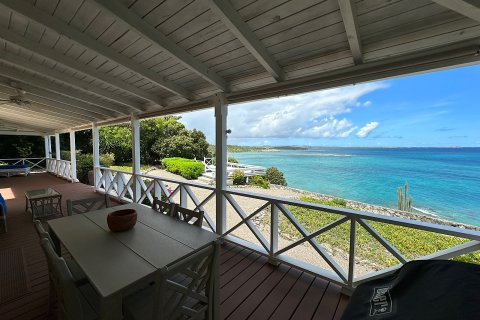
column 111, row 308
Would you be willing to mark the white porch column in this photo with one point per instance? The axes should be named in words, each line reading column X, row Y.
column 221, row 111
column 57, row 146
column 96, row 154
column 48, row 146
column 136, row 156
column 73, row 157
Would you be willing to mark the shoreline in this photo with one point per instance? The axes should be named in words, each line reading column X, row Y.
column 372, row 208
column 351, row 204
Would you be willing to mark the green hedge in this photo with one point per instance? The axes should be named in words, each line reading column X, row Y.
column 189, row 169
column 85, row 164
column 259, row 182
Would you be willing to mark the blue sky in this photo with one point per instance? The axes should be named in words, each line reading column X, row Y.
column 431, row 109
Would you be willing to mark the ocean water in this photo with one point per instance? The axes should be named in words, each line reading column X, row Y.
column 444, row 182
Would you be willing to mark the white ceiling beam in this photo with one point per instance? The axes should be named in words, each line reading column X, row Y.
column 18, row 132
column 22, row 126
column 100, row 106
column 74, row 65
column 462, row 7
column 158, row 39
column 349, row 16
column 70, row 106
column 26, row 9
column 126, row 104
column 52, row 107
column 13, row 111
column 240, row 29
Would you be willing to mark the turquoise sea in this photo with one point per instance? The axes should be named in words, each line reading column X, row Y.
column 444, row 182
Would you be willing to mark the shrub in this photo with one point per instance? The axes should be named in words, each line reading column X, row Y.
column 259, row 182
column 232, row 160
column 339, row 202
column 238, row 177
column 189, row 169
column 85, row 164
column 275, row 176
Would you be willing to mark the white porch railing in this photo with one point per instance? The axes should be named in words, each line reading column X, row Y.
column 141, row 189
column 33, row 163
column 61, row 168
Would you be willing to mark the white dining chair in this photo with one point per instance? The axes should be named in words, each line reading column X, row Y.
column 189, row 216
column 187, row 289
column 163, row 207
column 77, row 273
column 72, row 302
column 87, row 204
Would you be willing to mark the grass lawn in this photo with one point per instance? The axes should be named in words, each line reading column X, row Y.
column 128, row 167
column 410, row 242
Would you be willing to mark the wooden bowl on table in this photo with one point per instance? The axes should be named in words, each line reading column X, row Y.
column 122, row 220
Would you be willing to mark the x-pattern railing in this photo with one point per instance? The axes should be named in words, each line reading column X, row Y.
column 61, row 168
column 354, row 218
column 31, row 162
column 123, row 185
column 139, row 187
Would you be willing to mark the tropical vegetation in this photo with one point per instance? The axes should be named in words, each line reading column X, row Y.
column 187, row 168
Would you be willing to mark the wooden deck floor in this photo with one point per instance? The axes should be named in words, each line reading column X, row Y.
column 251, row 288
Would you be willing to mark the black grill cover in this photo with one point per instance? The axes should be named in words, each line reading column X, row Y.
column 422, row 290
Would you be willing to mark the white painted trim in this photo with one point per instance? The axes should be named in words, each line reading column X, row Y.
column 24, row 78
column 125, row 105
column 73, row 157
column 57, row 146
column 462, row 7
column 63, row 28
column 158, row 39
column 73, row 64
column 349, row 16
column 135, row 122
column 221, row 112
column 95, row 152
column 240, row 29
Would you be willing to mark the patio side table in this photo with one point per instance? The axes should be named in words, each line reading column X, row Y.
column 43, row 203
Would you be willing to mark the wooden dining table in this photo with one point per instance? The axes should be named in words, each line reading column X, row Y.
column 118, row 263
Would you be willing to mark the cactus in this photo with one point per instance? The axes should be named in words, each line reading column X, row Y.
column 404, row 200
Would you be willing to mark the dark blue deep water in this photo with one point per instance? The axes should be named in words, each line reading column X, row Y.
column 444, row 182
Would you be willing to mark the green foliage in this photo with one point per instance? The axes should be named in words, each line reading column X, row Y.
column 259, row 182
column 161, row 137
column 404, row 200
column 22, row 146
column 117, row 140
column 85, row 164
column 238, row 177
column 189, row 169
column 232, row 160
column 275, row 176
column 128, row 167
column 410, row 242
column 339, row 202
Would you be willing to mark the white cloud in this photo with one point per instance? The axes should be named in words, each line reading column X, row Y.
column 309, row 115
column 363, row 132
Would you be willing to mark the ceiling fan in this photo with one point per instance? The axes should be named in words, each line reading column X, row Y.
column 18, row 99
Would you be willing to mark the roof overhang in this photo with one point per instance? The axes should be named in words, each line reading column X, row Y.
column 102, row 61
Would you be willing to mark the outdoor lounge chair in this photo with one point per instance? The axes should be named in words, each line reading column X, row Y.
column 14, row 169
column 72, row 302
column 88, row 204
column 186, row 290
column 427, row 290
column 3, row 215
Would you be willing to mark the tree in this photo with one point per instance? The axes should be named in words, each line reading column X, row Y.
column 117, row 140
column 275, row 176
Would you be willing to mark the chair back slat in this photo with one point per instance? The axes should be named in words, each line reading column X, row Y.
column 69, row 305
column 189, row 216
column 42, row 234
column 163, row 206
column 187, row 288
column 88, row 204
